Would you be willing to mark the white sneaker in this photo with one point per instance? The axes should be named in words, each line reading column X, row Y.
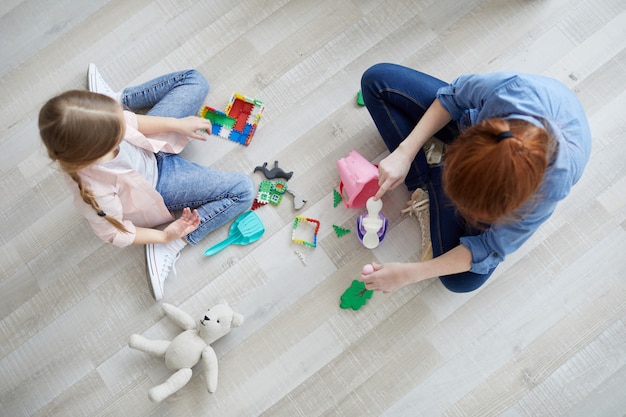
column 97, row 84
column 160, row 260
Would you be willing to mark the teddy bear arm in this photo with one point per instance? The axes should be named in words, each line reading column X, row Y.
column 151, row 347
column 209, row 362
column 178, row 316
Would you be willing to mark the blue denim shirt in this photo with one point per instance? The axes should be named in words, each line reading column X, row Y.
column 546, row 103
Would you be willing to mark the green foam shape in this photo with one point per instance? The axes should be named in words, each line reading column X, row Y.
column 359, row 98
column 220, row 118
column 355, row 296
column 340, row 231
column 337, row 198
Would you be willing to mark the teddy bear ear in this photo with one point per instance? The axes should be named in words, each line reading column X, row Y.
column 237, row 320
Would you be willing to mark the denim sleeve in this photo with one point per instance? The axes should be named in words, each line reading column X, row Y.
column 491, row 247
column 470, row 91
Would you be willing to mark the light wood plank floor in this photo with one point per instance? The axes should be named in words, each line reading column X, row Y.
column 545, row 337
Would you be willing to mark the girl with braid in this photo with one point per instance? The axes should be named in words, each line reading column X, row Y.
column 515, row 144
column 125, row 172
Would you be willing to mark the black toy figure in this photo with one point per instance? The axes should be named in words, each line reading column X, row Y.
column 275, row 172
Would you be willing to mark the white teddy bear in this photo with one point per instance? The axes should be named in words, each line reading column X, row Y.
column 186, row 350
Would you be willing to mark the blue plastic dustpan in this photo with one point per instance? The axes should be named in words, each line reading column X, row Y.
column 246, row 228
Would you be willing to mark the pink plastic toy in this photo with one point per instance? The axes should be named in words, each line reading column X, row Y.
column 359, row 179
column 367, row 269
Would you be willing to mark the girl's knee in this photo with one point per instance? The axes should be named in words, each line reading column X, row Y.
column 248, row 191
column 195, row 77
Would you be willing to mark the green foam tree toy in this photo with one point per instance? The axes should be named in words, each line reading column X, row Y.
column 359, row 98
column 336, row 198
column 340, row 231
column 355, row 296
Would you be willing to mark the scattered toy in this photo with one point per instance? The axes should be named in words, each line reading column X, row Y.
column 296, row 236
column 340, row 231
column 359, row 98
column 218, row 118
column 355, row 296
column 256, row 204
column 367, row 269
column 191, row 346
column 298, row 201
column 372, row 224
column 302, row 256
column 239, row 122
column 336, row 198
column 275, row 172
column 278, row 190
column 272, row 192
column 247, row 228
column 359, row 179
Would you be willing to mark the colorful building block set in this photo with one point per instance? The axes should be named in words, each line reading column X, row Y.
column 239, row 122
column 309, row 236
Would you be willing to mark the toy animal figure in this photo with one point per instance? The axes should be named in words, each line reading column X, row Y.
column 189, row 347
column 298, row 200
column 275, row 172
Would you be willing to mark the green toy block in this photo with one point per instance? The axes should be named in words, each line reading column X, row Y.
column 355, row 296
column 359, row 98
column 340, row 231
column 265, row 186
column 219, row 118
column 336, row 198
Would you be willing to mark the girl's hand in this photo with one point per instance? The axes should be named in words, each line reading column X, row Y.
column 392, row 171
column 195, row 127
column 185, row 224
column 389, row 277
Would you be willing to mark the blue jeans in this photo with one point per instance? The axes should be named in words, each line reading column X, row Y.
column 397, row 97
column 179, row 94
column 218, row 196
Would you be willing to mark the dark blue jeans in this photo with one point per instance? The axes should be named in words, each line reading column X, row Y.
column 397, row 97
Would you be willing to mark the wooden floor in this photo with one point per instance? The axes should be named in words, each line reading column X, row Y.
column 545, row 337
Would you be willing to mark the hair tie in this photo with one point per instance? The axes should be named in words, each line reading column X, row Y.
column 504, row 135
column 102, row 213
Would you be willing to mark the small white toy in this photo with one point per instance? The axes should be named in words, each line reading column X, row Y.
column 372, row 223
column 189, row 347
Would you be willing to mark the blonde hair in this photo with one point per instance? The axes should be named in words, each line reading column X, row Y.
column 78, row 128
column 494, row 168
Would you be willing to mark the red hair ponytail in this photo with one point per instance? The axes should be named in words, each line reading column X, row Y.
column 488, row 174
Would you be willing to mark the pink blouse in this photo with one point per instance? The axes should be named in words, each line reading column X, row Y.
column 126, row 194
